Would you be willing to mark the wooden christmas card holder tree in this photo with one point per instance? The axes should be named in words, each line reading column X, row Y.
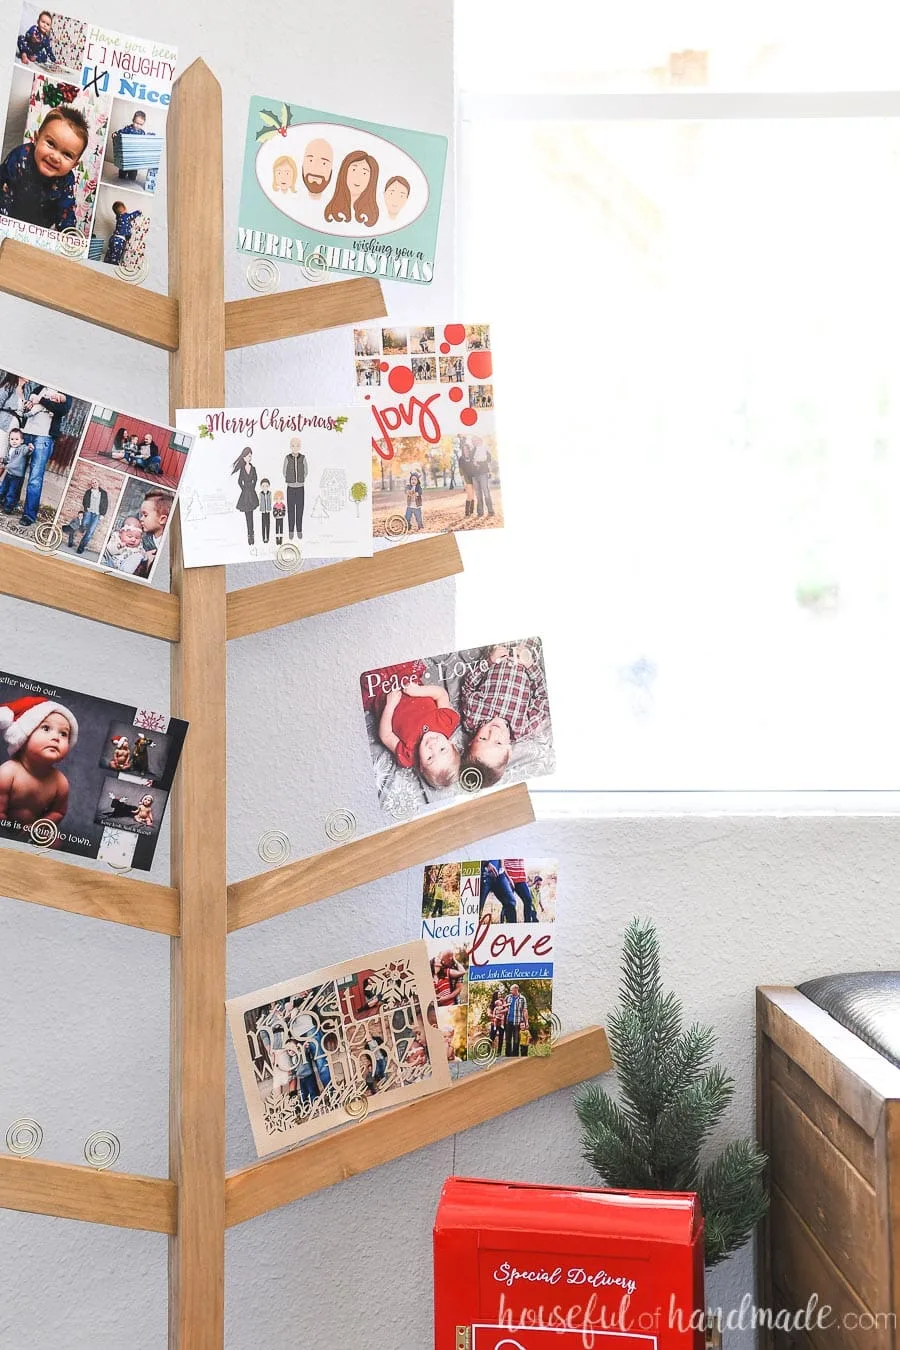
column 198, row 1200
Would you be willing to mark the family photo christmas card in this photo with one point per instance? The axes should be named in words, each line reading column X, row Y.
column 488, row 926
column 83, row 480
column 339, row 194
column 85, row 129
column 329, row 1047
column 263, row 477
column 434, row 445
column 443, row 725
column 84, row 775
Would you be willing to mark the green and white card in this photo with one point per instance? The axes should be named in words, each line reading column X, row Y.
column 335, row 194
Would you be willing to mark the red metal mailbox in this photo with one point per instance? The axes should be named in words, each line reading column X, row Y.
column 522, row 1267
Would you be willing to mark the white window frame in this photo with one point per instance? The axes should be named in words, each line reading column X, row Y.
column 685, row 105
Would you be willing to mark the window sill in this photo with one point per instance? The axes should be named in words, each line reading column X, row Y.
column 554, row 805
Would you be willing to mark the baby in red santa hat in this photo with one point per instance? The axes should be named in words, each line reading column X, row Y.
column 38, row 733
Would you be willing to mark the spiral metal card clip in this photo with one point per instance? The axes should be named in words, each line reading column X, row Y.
column 71, row 243
column 274, row 846
column 263, row 275
column 47, row 537
column 24, row 1137
column 101, row 1149
column 288, row 557
column 340, row 825
column 135, row 272
column 395, row 525
column 43, row 832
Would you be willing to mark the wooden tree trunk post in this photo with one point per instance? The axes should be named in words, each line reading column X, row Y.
column 197, row 1091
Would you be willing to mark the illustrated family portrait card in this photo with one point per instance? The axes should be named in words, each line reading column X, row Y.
column 441, row 725
column 434, row 445
column 85, row 129
column 261, row 477
column 326, row 1048
column 488, row 926
column 344, row 195
column 84, row 775
column 84, row 480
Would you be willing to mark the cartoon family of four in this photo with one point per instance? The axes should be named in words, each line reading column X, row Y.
column 355, row 194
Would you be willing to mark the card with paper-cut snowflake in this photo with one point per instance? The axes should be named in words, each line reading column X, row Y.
column 151, row 720
column 329, row 1047
column 117, row 848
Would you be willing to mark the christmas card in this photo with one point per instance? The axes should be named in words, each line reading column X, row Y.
column 263, row 477
column 83, row 775
column 339, row 195
column 434, row 446
column 488, row 926
column 85, row 129
column 329, row 1047
column 440, row 726
column 83, row 480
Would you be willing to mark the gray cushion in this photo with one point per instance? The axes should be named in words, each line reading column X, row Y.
column 866, row 1003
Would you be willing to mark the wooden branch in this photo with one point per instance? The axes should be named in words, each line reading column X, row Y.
column 483, row 1095
column 92, row 595
column 197, row 1075
column 267, row 318
column 66, row 285
column 40, row 879
column 253, row 609
column 375, row 855
column 118, row 1199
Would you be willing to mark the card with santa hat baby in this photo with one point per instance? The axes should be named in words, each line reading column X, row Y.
column 84, row 775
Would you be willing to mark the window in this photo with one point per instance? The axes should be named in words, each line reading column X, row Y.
column 683, row 227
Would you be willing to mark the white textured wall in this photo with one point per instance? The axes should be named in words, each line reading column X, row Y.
column 84, row 1005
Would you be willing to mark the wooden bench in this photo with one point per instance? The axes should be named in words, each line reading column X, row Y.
column 828, row 1114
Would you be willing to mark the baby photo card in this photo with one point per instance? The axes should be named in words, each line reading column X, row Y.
column 434, row 445
column 85, row 129
column 488, row 926
column 443, row 725
column 83, row 775
column 262, row 477
column 327, row 1048
column 83, row 480
column 346, row 196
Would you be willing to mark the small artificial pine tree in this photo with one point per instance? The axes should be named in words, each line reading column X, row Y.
column 670, row 1099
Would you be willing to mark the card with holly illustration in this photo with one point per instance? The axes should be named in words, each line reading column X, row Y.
column 84, row 135
column 329, row 1047
column 334, row 194
column 260, row 478
column 434, row 445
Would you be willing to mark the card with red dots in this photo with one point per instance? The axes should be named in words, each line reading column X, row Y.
column 434, row 448
column 333, row 194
